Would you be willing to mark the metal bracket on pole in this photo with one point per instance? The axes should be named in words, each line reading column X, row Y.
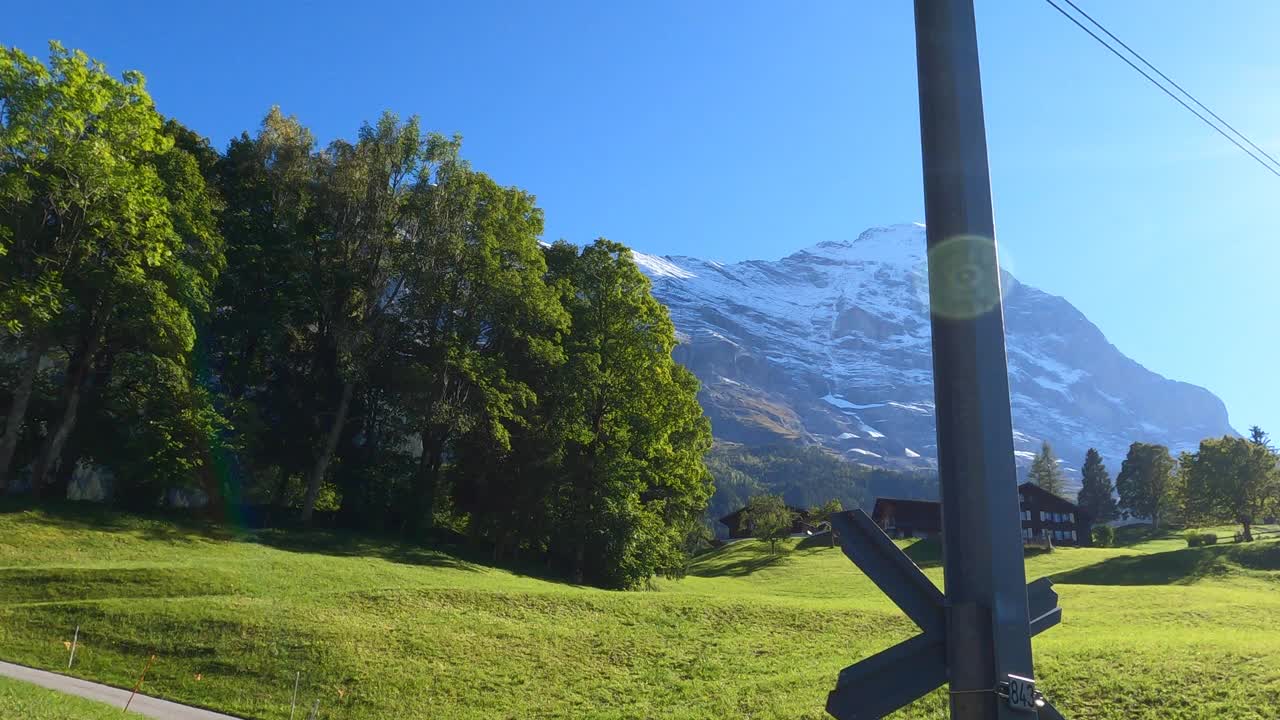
column 911, row 669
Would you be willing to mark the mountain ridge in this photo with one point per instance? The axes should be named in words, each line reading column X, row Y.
column 830, row 345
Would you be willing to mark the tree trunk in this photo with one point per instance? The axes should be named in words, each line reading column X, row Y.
column 579, row 560
column 51, row 449
column 60, row 480
column 326, row 453
column 428, row 480
column 18, row 407
column 73, row 390
column 1248, row 530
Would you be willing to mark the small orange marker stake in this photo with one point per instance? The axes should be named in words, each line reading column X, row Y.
column 140, row 678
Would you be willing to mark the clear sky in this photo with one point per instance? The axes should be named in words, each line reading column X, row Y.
column 736, row 129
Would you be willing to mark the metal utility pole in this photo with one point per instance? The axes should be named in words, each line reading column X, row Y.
column 977, row 637
column 987, row 635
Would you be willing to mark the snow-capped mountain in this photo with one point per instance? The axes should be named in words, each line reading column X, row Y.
column 831, row 345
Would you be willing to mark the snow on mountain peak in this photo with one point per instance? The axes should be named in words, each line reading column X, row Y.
column 831, row 346
column 653, row 265
column 901, row 245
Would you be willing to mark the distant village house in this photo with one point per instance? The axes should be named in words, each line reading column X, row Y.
column 1046, row 518
column 739, row 528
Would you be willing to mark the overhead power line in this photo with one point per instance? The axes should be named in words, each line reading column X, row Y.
column 1170, row 80
column 1270, row 167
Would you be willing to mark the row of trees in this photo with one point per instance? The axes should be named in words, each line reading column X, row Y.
column 1228, row 479
column 805, row 476
column 370, row 329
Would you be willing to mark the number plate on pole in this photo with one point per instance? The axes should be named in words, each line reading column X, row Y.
column 1022, row 693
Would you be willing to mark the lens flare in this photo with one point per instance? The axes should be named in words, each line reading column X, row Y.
column 963, row 281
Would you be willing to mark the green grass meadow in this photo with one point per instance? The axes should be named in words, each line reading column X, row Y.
column 378, row 630
column 19, row 700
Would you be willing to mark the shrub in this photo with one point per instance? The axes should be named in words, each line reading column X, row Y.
column 1104, row 536
column 1197, row 539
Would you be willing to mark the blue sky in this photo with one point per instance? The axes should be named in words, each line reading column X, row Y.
column 744, row 129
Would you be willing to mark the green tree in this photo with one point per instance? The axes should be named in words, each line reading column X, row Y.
column 264, row 328
column 481, row 326
column 1147, row 484
column 365, row 230
column 1258, row 436
column 1045, row 471
column 105, row 227
column 1232, row 479
column 768, row 518
column 1095, row 496
column 823, row 513
column 633, row 477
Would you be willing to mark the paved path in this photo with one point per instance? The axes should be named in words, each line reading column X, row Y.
column 143, row 705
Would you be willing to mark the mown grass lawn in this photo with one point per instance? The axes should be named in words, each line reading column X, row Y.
column 23, row 701
column 1153, row 630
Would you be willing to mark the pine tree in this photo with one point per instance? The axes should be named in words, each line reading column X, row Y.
column 1044, row 471
column 1259, row 437
column 1095, row 496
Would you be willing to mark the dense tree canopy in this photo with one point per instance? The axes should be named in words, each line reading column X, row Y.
column 1147, row 483
column 1231, row 479
column 371, row 330
column 109, row 250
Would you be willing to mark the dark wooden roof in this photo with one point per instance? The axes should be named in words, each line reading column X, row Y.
column 925, row 515
column 1046, row 499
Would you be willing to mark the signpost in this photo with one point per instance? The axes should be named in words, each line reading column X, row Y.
column 976, row 638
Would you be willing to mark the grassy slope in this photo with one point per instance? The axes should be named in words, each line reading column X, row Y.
column 21, row 701
column 1151, row 631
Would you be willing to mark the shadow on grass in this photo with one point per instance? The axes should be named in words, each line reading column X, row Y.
column 745, row 562
column 346, row 543
column 1176, row 567
column 925, row 553
column 32, row 585
column 166, row 526
column 1130, row 535
column 442, row 550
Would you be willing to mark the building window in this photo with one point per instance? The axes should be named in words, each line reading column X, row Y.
column 1071, row 517
column 1044, row 516
column 1073, row 535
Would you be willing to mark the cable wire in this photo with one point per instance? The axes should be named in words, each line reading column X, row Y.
column 1164, row 89
column 1171, row 81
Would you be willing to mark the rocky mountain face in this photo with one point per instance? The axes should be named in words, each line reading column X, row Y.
column 831, row 346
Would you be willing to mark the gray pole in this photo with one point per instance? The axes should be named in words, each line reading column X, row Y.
column 987, row 629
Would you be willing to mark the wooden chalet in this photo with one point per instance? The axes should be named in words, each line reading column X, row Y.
column 1046, row 518
column 1049, row 518
column 908, row 518
column 738, row 528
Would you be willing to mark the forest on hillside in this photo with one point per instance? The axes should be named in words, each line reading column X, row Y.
column 370, row 330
